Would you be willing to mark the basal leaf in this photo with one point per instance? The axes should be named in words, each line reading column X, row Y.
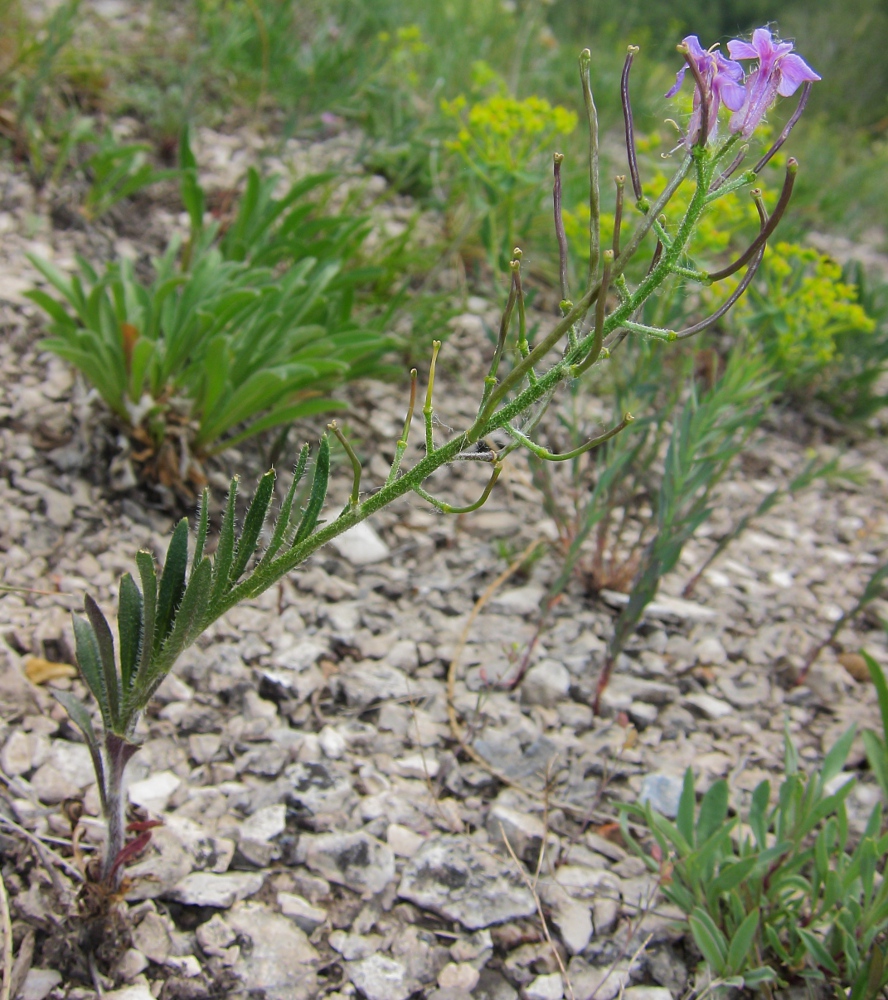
column 740, row 949
column 105, row 643
column 816, row 950
column 710, row 940
column 129, row 629
column 713, row 811
column 80, row 718
column 89, row 660
column 686, row 807
column 834, row 761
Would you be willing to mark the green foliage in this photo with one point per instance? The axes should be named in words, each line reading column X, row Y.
column 116, row 172
column 223, row 337
column 711, row 430
column 502, row 143
column 876, row 744
column 40, row 66
column 786, row 893
column 797, row 310
column 852, row 385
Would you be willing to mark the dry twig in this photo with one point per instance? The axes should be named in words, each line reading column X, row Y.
column 6, row 927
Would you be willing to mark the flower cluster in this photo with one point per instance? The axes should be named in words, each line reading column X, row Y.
column 719, row 80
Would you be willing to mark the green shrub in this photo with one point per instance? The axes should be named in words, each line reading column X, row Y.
column 784, row 895
column 236, row 332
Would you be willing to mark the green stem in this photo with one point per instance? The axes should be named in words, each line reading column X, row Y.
column 355, row 497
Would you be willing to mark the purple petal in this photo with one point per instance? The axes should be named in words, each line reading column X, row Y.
column 794, row 71
column 732, row 94
column 741, row 50
column 695, row 49
column 679, row 79
column 761, row 42
column 727, row 67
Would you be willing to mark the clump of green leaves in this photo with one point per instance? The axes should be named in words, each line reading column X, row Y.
column 117, row 171
column 785, row 895
column 237, row 332
column 798, row 310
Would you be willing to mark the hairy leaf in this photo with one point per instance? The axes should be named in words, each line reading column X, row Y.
column 253, row 522
column 172, row 582
column 129, row 628
column 105, row 643
column 318, row 492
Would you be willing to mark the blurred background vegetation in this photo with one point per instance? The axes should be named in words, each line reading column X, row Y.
column 459, row 104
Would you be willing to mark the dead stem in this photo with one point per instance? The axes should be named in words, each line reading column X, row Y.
column 6, row 928
column 531, row 885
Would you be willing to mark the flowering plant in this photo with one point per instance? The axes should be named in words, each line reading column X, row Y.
column 161, row 614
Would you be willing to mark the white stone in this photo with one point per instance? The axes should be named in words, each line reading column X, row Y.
column 706, row 704
column 546, row 683
column 522, row 601
column 301, row 912
column 38, row 983
column 265, row 824
column 459, row 976
column 16, row 756
column 138, row 991
column 380, row 978
column 711, row 651
column 550, row 987
column 361, row 545
column 424, row 765
column 332, row 743
column 403, row 841
column 209, row 889
column 154, row 792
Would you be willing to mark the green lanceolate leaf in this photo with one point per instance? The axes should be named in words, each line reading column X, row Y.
column 817, row 951
column 709, row 940
column 191, row 614
column 758, row 811
column 253, row 522
column 172, row 583
column 105, row 643
column 148, row 576
column 80, row 718
column 877, row 755
column 89, row 660
column 203, row 527
column 225, row 549
column 686, row 807
column 835, row 759
column 283, row 520
column 129, row 629
column 318, row 493
column 713, row 811
column 730, row 876
column 741, row 943
column 881, row 685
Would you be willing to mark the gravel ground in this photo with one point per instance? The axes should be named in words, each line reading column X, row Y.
column 324, row 831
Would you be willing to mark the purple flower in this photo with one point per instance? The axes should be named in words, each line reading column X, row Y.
column 722, row 83
column 779, row 71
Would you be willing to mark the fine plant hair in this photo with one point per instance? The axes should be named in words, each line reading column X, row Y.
column 161, row 613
